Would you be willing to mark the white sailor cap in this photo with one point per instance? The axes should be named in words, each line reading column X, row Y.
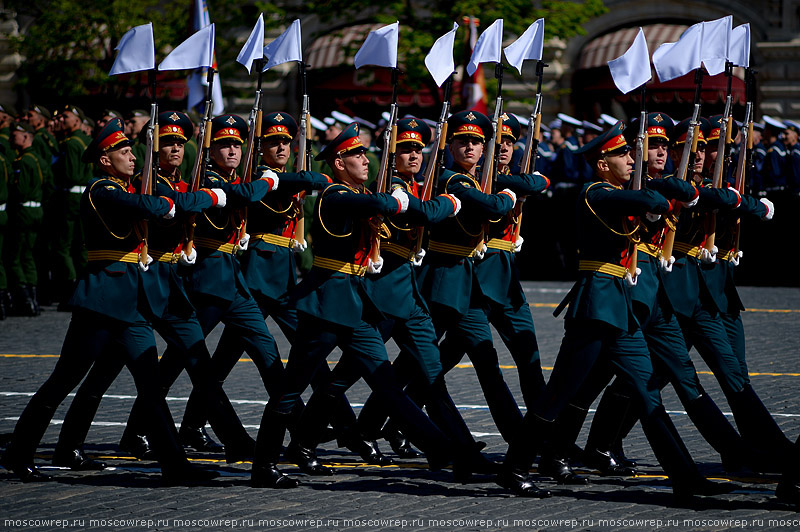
column 589, row 126
column 569, row 120
column 523, row 120
column 608, row 119
column 773, row 122
column 555, row 124
column 364, row 122
column 318, row 124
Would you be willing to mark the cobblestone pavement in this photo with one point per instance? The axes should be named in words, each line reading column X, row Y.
column 128, row 495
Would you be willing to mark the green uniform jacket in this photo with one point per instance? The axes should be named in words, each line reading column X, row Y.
column 45, row 144
column 111, row 213
column 449, row 279
column 496, row 272
column 269, row 269
column 218, row 273
column 602, row 208
column 342, row 232
column 69, row 170
column 25, row 188
column 394, row 290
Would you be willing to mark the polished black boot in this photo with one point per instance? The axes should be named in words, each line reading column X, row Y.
column 515, row 475
column 33, row 294
column 368, row 450
column 137, row 445
column 611, row 423
column 265, row 472
column 398, row 442
column 24, row 469
column 199, row 440
column 553, row 462
column 717, row 431
column 76, row 460
column 306, row 460
column 675, row 459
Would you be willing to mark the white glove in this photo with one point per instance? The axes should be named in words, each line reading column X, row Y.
column 418, row 256
column 244, row 241
column 479, row 253
column 222, row 199
column 400, row 195
column 299, row 246
column 666, row 264
column 770, row 208
column 631, row 280
column 737, row 257
column 188, row 260
column 707, row 256
column 171, row 214
column 652, row 217
column 146, row 266
column 458, row 205
column 272, row 175
column 510, row 193
column 375, row 267
column 692, row 203
column 518, row 244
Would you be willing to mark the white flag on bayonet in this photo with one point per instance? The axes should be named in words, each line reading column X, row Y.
column 488, row 47
column 380, row 48
column 440, row 60
column 253, row 49
column 137, row 51
column 632, row 69
column 287, row 47
column 529, row 46
column 195, row 52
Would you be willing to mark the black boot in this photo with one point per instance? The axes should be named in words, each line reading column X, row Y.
column 76, row 460
column 554, row 463
column 398, row 442
column 610, row 424
column 23, row 468
column 759, row 430
column 137, row 445
column 23, row 304
column 33, row 294
column 521, row 452
column 717, row 431
column 675, row 459
column 199, row 440
column 314, row 419
column 306, row 460
column 265, row 472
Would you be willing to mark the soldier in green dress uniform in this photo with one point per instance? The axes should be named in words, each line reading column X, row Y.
column 602, row 333
column 5, row 175
column 111, row 313
column 72, row 175
column 25, row 219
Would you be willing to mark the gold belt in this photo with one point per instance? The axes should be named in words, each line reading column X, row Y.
column 505, row 245
column 216, row 245
column 269, row 238
column 164, row 256
column 451, row 249
column 113, row 255
column 603, row 267
column 339, row 266
column 651, row 249
column 397, row 249
column 692, row 251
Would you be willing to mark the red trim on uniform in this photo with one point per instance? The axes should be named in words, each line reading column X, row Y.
column 268, row 180
column 171, row 203
column 112, row 140
column 614, row 144
column 469, row 129
column 713, row 134
column 452, row 200
column 271, row 131
column 399, row 206
column 507, row 194
column 172, row 131
column 227, row 133
column 547, row 180
column 738, row 195
column 657, row 131
column 682, row 138
column 410, row 136
column 350, row 144
column 214, row 197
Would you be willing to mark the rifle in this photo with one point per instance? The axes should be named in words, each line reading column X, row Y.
column 202, row 161
column 150, row 168
column 303, row 155
column 387, row 168
column 531, row 153
column 744, row 164
column 719, row 165
column 253, row 153
column 687, row 160
column 436, row 157
column 641, row 162
column 492, row 153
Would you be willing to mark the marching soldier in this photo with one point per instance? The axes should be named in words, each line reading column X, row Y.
column 448, row 278
column 72, row 175
column 111, row 312
column 44, row 144
column 334, row 309
column 25, row 219
column 395, row 292
column 600, row 323
column 5, row 176
column 215, row 283
column 173, row 319
column 7, row 116
column 135, row 129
